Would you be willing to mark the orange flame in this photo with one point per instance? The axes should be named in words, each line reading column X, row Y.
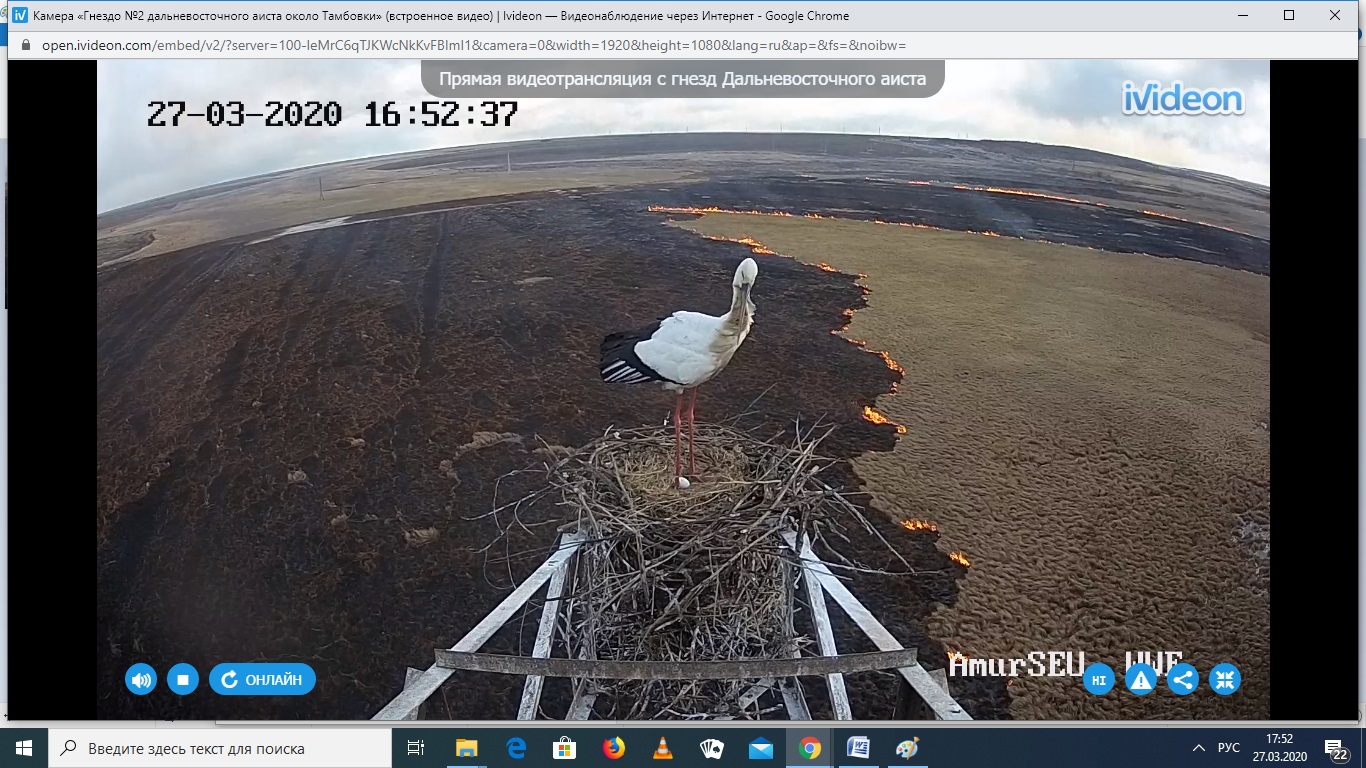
column 887, row 359
column 877, row 418
column 914, row 225
column 956, row 656
column 754, row 245
column 960, row 558
column 1191, row 221
column 1026, row 193
column 894, row 365
column 713, row 209
column 822, row 265
column 919, row 525
column 1061, row 199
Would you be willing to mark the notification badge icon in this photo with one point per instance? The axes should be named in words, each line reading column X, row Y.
column 614, row 748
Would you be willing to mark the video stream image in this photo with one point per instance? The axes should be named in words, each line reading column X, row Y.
column 511, row 406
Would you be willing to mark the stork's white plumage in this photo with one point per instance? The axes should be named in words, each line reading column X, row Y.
column 682, row 352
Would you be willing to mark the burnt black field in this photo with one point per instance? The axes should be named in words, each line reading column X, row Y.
column 1032, row 218
column 365, row 354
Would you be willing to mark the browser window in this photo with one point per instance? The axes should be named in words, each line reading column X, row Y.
column 861, row 384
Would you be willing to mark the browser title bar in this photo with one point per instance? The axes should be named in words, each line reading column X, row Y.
column 951, row 15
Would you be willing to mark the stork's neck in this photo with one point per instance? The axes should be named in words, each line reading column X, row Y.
column 741, row 314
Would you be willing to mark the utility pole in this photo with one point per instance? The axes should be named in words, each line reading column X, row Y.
column 320, row 187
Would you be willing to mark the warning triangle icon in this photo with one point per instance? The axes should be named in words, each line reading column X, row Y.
column 1141, row 682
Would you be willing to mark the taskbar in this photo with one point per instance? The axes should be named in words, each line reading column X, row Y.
column 700, row 744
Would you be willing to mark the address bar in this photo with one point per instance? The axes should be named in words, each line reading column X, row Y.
column 495, row 45
column 681, row 45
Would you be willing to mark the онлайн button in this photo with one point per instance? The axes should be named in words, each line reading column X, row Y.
column 262, row 679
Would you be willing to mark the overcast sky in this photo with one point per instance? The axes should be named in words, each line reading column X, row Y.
column 1074, row 103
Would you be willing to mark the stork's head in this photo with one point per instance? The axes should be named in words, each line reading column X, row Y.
column 745, row 274
column 741, row 308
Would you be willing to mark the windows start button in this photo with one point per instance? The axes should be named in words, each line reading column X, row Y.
column 262, row 679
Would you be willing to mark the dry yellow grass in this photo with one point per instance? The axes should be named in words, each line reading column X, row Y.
column 293, row 200
column 1090, row 428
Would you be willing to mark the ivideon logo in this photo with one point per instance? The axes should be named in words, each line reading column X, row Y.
column 1177, row 99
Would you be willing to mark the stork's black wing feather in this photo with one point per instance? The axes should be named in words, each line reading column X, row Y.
column 620, row 363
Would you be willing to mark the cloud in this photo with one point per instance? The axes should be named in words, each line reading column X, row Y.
column 1056, row 102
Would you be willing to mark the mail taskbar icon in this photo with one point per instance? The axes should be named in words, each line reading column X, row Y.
column 761, row 749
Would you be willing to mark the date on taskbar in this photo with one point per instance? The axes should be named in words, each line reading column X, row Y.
column 316, row 114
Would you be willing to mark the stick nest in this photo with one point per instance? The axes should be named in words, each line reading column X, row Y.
column 696, row 574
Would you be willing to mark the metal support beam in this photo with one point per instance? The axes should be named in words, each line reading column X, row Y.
column 938, row 700
column 409, row 677
column 582, row 706
column 412, row 697
column 545, row 637
column 791, row 689
column 825, row 635
column 745, row 669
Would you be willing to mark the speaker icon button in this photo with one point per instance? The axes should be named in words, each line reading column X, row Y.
column 140, row 679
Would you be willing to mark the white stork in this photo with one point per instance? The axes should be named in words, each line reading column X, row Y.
column 682, row 352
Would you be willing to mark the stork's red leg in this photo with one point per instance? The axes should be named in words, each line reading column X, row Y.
column 678, row 438
column 692, row 460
